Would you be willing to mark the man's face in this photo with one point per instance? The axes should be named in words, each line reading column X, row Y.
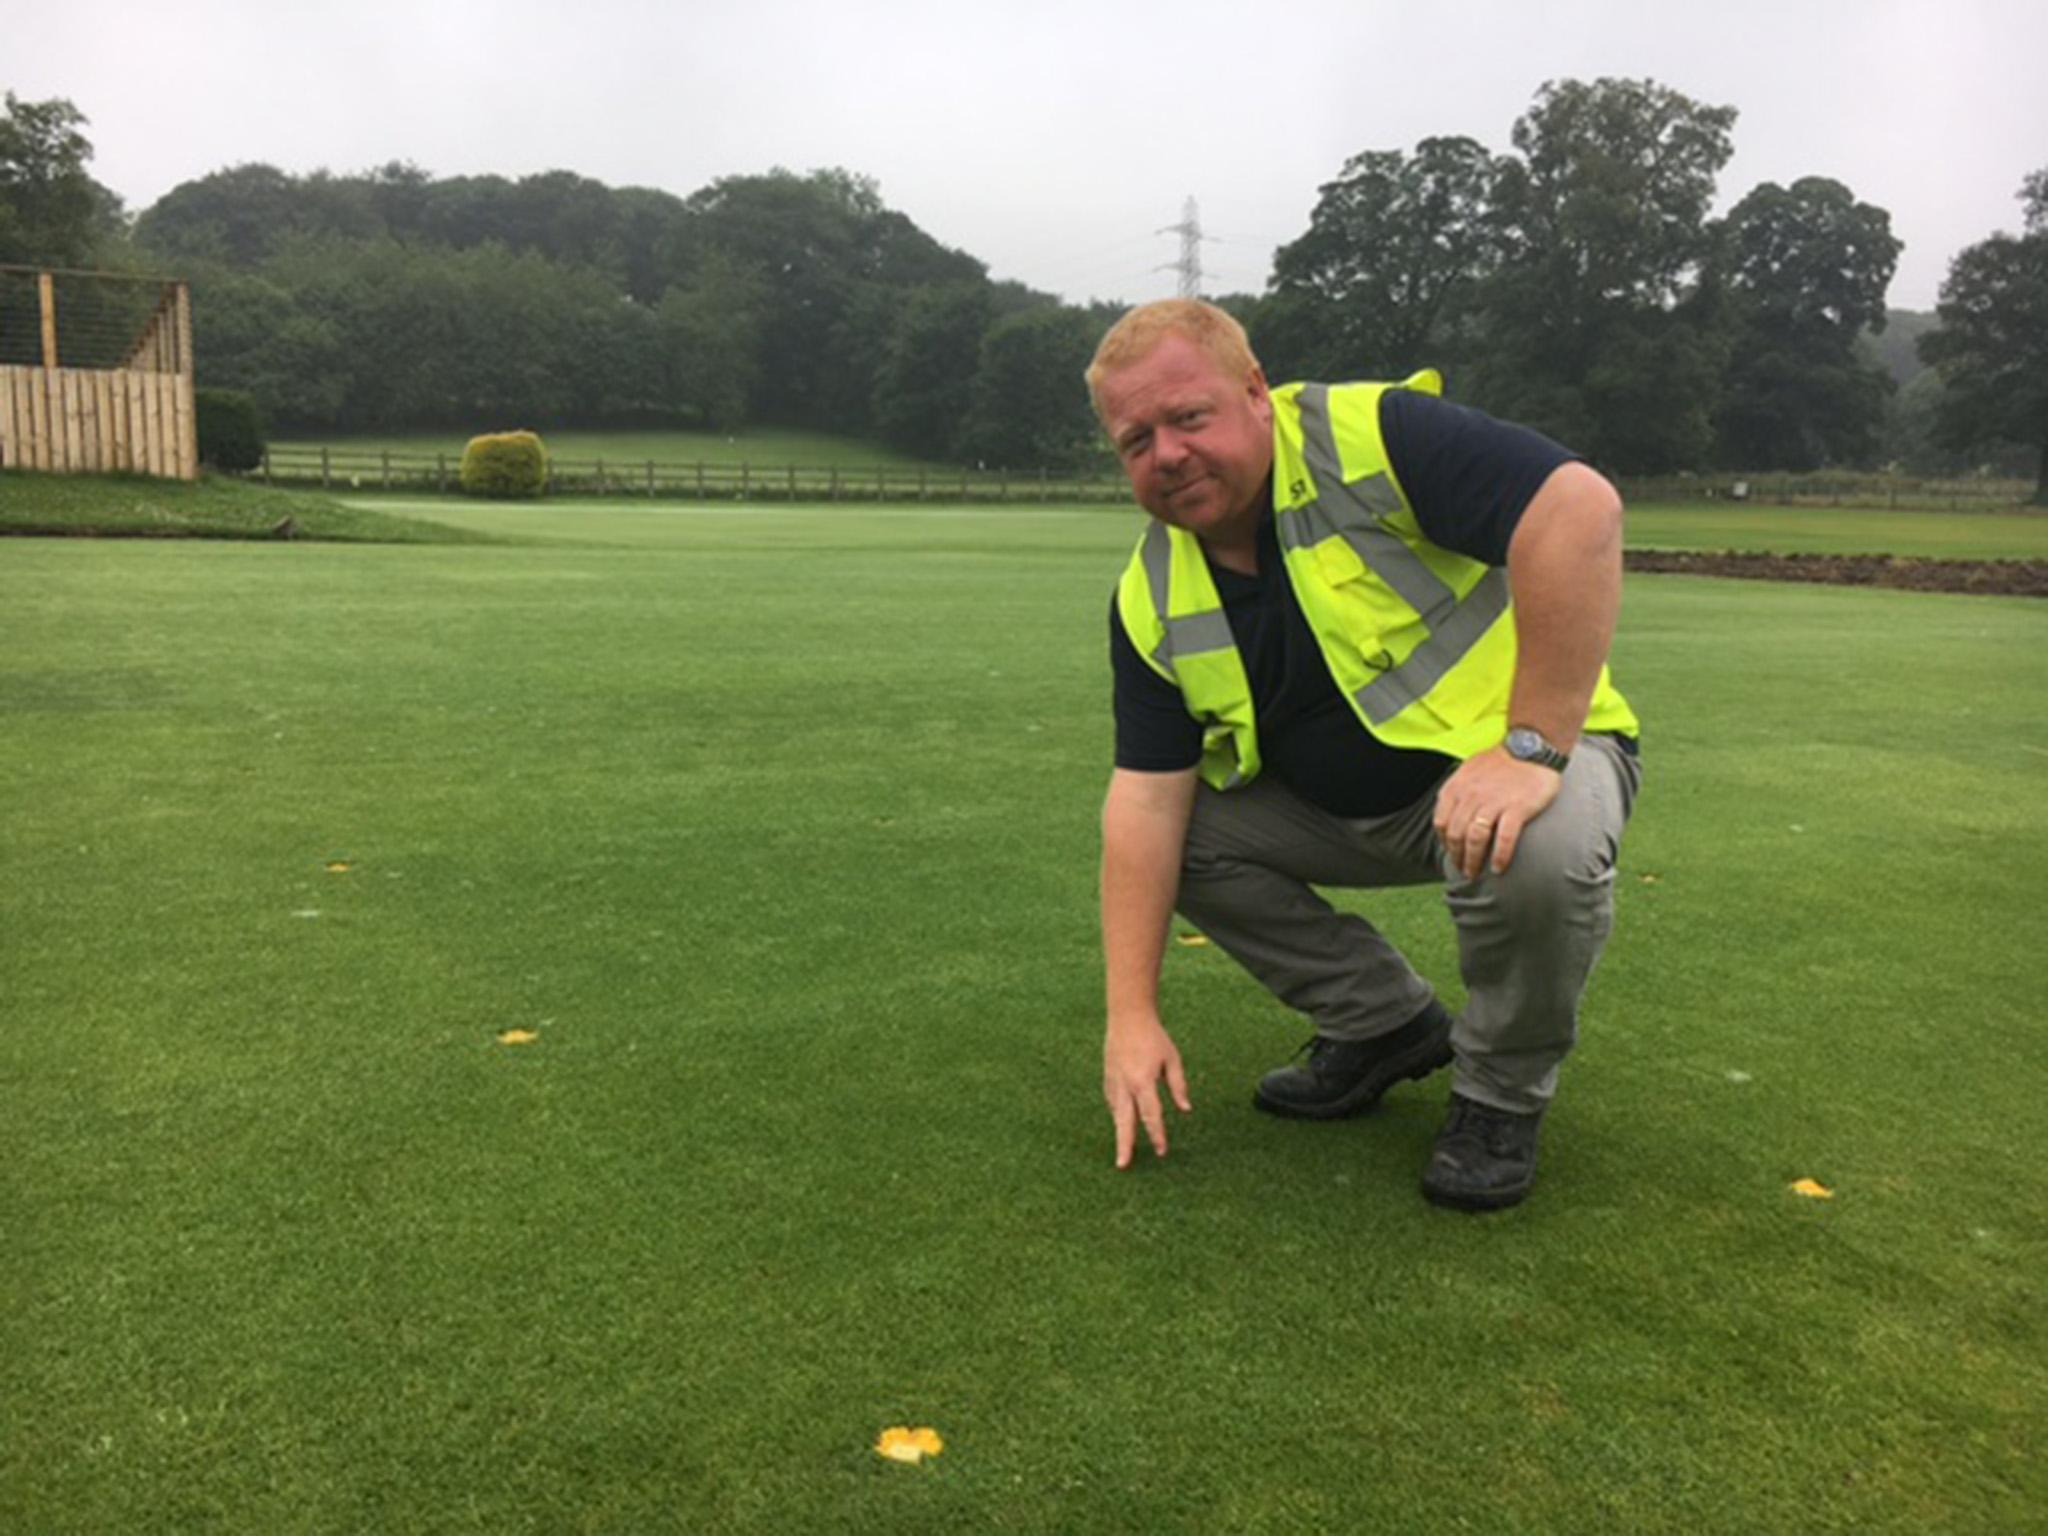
column 1196, row 443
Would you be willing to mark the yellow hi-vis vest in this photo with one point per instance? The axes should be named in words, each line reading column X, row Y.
column 1420, row 640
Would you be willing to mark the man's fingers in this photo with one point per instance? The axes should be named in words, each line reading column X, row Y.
column 1505, row 840
column 1177, row 1081
column 1478, row 834
column 1126, row 1117
column 1154, row 1116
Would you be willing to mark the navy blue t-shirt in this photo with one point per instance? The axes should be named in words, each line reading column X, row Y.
column 1468, row 478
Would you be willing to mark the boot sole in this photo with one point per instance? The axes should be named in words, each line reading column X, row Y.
column 1432, row 1056
column 1490, row 1200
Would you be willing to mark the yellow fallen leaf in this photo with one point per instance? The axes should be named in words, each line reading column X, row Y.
column 339, row 866
column 1652, row 879
column 1812, row 1190
column 518, row 1037
column 1191, row 940
column 899, row 1443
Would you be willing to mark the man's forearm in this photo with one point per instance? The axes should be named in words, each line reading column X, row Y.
column 1564, row 565
column 1144, row 827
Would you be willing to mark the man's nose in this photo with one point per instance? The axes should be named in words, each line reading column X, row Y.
column 1167, row 447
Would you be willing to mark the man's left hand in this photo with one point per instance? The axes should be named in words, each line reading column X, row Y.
column 1487, row 803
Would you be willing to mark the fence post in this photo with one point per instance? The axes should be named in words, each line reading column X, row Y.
column 266, row 464
column 441, row 474
column 1003, row 484
column 834, row 493
column 746, row 483
column 650, row 479
column 46, row 295
column 387, row 469
column 700, row 479
column 323, row 467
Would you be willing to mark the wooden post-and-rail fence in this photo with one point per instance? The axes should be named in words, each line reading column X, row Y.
column 96, row 374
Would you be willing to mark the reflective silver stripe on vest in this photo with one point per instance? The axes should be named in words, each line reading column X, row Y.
column 1353, row 515
column 1391, row 692
column 1189, row 636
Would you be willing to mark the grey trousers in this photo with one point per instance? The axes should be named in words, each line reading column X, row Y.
column 1527, row 939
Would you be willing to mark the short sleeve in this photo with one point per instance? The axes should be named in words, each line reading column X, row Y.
column 1154, row 731
column 1467, row 476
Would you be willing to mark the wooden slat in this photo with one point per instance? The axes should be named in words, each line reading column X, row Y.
column 110, row 419
column 147, row 462
column 32, row 448
column 163, row 457
column 10, row 431
column 181, row 301
column 138, row 423
column 53, row 425
column 124, row 463
column 67, row 390
column 174, row 467
column 167, row 414
column 81, row 420
column 188, row 426
column 88, row 384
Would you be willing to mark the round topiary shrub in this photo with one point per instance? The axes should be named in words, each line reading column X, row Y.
column 506, row 466
column 230, row 429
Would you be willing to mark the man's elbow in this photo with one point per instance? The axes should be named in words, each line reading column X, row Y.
column 1577, row 506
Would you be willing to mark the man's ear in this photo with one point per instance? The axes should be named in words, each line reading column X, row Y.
column 1260, row 396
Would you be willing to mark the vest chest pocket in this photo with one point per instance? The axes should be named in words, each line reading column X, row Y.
column 1356, row 604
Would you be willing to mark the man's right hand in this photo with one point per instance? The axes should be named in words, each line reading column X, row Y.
column 1136, row 1053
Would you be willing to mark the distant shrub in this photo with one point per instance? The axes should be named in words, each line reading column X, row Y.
column 230, row 429
column 506, row 466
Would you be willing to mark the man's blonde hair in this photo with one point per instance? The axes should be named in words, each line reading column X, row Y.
column 1133, row 337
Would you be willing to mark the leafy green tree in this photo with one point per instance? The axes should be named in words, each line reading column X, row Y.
column 710, row 340
column 52, row 212
column 824, row 244
column 243, row 214
column 1804, row 271
column 925, row 383
column 1393, row 245
column 1595, row 328
column 1991, row 349
column 1029, row 408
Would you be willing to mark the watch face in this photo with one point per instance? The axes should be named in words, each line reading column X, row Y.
column 1529, row 746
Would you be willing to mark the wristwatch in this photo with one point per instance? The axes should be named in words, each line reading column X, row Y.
column 1527, row 746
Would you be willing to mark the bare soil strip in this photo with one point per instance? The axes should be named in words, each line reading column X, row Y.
column 1995, row 578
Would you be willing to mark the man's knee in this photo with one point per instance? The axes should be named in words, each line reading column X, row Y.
column 1562, row 873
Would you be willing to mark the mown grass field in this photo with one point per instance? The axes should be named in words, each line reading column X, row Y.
column 2018, row 535
column 776, row 828
column 755, row 445
column 213, row 507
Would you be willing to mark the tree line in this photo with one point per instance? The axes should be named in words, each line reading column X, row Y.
column 1577, row 281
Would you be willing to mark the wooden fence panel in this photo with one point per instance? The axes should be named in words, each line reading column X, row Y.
column 141, row 418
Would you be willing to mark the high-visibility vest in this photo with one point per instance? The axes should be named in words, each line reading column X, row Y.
column 1420, row 640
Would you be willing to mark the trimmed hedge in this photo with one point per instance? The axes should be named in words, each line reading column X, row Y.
column 506, row 466
column 230, row 429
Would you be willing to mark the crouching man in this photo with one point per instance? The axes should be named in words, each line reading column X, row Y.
column 1362, row 643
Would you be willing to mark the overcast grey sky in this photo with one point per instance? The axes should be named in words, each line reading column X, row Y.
column 1051, row 140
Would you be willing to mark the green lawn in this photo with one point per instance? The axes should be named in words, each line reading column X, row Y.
column 776, row 446
column 139, row 506
column 776, row 826
column 1839, row 530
